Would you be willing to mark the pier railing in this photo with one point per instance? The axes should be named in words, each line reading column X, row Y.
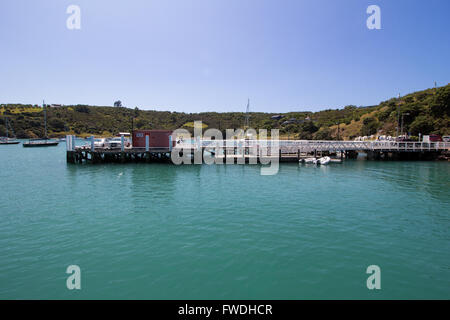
column 292, row 146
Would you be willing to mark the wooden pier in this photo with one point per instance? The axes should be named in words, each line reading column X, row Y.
column 100, row 155
column 257, row 151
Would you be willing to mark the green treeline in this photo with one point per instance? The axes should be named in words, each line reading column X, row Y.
column 424, row 112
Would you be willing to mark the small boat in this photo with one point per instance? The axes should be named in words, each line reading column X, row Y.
column 41, row 142
column 309, row 160
column 323, row 160
column 7, row 139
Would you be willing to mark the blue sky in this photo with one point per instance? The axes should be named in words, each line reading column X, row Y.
column 211, row 55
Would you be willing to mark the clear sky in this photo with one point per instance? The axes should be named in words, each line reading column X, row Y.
column 211, row 55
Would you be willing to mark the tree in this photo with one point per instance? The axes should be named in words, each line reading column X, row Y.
column 384, row 115
column 323, row 134
column 441, row 104
column 56, row 125
column 370, row 126
column 309, row 127
column 422, row 124
column 82, row 109
column 141, row 124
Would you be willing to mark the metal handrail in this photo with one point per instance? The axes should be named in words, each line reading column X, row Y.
column 322, row 144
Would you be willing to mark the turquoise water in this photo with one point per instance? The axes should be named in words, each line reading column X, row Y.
column 158, row 231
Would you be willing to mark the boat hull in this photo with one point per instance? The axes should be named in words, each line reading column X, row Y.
column 324, row 160
column 35, row 145
column 10, row 142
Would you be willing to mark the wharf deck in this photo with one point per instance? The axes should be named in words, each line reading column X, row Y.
column 255, row 150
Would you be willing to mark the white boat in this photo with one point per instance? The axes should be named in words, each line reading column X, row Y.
column 309, row 160
column 7, row 139
column 323, row 160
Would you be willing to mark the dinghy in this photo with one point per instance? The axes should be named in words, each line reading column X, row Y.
column 309, row 160
column 324, row 160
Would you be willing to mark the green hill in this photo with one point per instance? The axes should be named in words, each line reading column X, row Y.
column 425, row 112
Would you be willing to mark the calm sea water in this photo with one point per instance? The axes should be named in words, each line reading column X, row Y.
column 158, row 231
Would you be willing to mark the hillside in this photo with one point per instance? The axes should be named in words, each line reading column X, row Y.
column 425, row 112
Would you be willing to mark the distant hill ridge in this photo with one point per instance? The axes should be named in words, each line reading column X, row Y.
column 425, row 112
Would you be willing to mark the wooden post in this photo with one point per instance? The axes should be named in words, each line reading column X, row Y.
column 224, row 151
column 69, row 143
column 92, row 143
column 258, row 155
column 70, row 156
column 73, row 143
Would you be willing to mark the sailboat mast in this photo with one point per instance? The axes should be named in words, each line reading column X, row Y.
column 45, row 118
column 247, row 114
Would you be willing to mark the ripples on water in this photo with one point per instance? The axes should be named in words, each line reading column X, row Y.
column 163, row 231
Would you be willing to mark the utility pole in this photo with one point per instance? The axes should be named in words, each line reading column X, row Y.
column 339, row 132
column 403, row 114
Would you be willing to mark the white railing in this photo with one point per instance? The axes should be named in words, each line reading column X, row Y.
column 287, row 146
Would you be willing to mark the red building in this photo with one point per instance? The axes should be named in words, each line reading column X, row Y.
column 157, row 138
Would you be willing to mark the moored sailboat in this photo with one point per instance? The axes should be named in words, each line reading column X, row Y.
column 7, row 139
column 41, row 142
